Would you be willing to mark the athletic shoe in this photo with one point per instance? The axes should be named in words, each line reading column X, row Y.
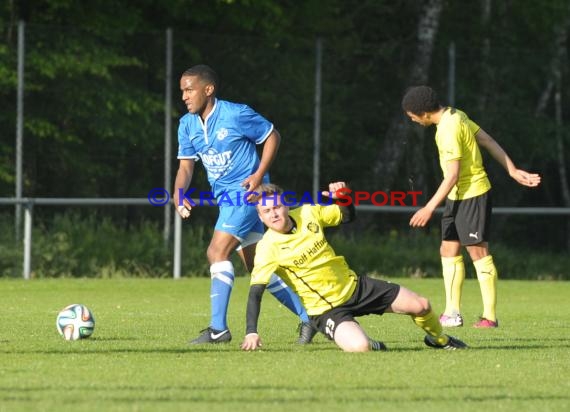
column 453, row 343
column 306, row 333
column 451, row 321
column 210, row 335
column 485, row 323
column 376, row 345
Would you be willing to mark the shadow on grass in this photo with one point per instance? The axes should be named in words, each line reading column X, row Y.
column 525, row 343
column 272, row 394
column 95, row 338
column 519, row 347
column 84, row 347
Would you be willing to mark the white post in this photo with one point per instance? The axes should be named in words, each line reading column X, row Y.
column 28, row 241
column 177, row 245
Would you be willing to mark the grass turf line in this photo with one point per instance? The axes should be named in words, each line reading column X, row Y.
column 138, row 358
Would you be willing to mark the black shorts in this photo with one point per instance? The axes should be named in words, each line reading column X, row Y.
column 467, row 220
column 371, row 296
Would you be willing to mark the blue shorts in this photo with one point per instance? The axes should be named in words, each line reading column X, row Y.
column 239, row 221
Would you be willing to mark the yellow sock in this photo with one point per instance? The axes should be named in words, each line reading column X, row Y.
column 487, row 276
column 430, row 324
column 453, row 278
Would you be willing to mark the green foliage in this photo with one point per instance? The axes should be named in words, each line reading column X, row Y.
column 95, row 78
column 87, row 246
column 79, row 245
column 391, row 255
column 528, row 264
column 11, row 252
column 416, row 254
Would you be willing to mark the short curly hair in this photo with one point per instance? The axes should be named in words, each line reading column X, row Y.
column 205, row 73
column 420, row 99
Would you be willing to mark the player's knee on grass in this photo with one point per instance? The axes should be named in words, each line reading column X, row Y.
column 350, row 337
column 354, row 345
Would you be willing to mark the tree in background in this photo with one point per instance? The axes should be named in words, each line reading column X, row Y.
column 94, row 98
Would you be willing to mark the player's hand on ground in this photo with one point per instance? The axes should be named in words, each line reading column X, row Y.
column 333, row 189
column 251, row 341
column 525, row 178
column 421, row 217
column 184, row 209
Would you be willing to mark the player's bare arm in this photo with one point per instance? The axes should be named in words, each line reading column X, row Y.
column 335, row 189
column 496, row 151
column 423, row 216
column 182, row 181
column 268, row 155
column 252, row 341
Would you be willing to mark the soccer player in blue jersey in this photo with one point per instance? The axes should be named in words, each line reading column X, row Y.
column 224, row 135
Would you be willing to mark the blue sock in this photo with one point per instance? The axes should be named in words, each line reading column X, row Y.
column 287, row 297
column 222, row 274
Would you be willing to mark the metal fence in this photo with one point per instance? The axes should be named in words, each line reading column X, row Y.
column 28, row 205
column 257, row 73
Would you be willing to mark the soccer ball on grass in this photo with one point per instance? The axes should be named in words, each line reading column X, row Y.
column 75, row 322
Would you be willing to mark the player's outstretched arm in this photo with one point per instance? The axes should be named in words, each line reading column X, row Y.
column 525, row 178
column 521, row 176
column 252, row 341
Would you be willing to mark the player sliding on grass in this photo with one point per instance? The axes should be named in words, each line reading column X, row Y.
column 295, row 247
column 467, row 194
column 224, row 136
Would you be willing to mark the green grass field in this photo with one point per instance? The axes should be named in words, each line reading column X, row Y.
column 138, row 358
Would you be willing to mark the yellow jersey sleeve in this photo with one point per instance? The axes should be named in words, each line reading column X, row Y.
column 473, row 127
column 449, row 143
column 329, row 215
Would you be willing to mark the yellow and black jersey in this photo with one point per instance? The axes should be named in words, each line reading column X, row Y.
column 455, row 139
column 305, row 260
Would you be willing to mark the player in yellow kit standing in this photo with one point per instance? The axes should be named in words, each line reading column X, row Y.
column 467, row 194
column 295, row 247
